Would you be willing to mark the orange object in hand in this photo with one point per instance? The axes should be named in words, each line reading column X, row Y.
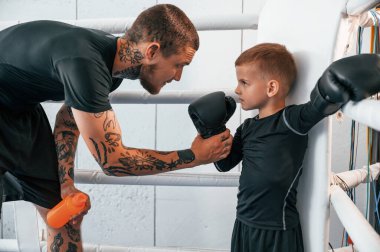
column 66, row 209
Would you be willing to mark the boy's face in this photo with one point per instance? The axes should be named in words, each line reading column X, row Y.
column 251, row 88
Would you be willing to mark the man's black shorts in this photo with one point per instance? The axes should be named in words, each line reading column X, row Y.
column 28, row 157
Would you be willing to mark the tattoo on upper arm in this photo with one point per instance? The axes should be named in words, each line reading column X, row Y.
column 109, row 121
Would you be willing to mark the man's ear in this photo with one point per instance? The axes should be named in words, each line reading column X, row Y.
column 152, row 52
column 273, row 88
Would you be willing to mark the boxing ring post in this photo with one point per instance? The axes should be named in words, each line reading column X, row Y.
column 277, row 20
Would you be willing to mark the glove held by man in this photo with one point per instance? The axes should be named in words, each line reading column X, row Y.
column 210, row 113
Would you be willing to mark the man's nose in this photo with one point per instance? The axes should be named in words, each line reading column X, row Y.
column 178, row 74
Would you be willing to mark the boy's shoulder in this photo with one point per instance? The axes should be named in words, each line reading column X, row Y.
column 247, row 122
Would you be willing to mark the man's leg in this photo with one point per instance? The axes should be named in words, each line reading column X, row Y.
column 67, row 238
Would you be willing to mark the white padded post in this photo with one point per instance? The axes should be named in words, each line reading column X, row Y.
column 308, row 29
column 26, row 226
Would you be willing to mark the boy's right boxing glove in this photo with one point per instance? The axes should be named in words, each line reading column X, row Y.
column 352, row 78
column 210, row 113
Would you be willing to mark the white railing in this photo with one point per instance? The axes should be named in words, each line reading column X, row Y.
column 202, row 23
column 164, row 97
column 162, row 179
column 360, row 231
column 366, row 112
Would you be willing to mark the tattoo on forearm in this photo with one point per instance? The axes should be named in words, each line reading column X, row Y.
column 74, row 234
column 70, row 124
column 72, row 247
column 65, row 143
column 133, row 164
column 57, row 243
column 70, row 112
column 70, row 172
column 61, row 174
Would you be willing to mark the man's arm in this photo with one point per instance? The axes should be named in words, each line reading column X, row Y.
column 66, row 136
column 102, row 134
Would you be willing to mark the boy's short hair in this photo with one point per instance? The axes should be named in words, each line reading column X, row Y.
column 167, row 25
column 273, row 61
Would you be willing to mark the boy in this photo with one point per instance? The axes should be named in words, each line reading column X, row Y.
column 272, row 145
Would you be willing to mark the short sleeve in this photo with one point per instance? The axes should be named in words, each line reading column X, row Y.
column 86, row 82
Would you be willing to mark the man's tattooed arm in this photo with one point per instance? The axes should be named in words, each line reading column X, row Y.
column 105, row 143
column 66, row 136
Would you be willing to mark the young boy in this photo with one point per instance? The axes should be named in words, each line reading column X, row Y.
column 272, row 145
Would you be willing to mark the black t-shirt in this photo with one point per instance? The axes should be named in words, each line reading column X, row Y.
column 48, row 60
column 272, row 150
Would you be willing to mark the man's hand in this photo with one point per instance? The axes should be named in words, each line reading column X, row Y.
column 212, row 149
column 69, row 189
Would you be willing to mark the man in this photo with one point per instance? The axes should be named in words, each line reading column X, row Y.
column 46, row 60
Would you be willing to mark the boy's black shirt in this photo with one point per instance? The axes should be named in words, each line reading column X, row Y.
column 272, row 150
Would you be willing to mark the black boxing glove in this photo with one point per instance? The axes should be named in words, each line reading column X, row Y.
column 211, row 112
column 352, row 78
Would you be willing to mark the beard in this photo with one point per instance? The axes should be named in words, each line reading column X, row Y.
column 146, row 72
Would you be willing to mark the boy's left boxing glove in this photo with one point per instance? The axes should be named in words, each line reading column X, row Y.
column 353, row 78
column 211, row 112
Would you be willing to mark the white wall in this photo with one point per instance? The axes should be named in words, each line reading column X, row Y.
column 164, row 216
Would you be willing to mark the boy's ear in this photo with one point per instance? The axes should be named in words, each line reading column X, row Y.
column 152, row 52
column 273, row 88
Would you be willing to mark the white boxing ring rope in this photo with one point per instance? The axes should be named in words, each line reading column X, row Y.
column 354, row 222
column 202, row 23
column 367, row 116
column 162, row 179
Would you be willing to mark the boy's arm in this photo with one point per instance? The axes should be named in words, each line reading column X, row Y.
column 352, row 78
column 102, row 134
column 235, row 155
